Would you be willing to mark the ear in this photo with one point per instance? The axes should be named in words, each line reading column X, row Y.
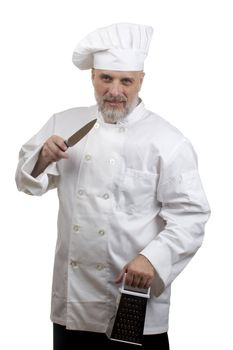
column 142, row 77
column 142, row 74
column 93, row 74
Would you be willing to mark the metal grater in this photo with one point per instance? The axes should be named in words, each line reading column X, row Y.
column 129, row 321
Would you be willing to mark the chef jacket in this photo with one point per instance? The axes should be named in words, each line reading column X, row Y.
column 127, row 188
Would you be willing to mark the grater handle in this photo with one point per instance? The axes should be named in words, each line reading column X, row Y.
column 140, row 292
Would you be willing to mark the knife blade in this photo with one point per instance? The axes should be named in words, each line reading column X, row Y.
column 78, row 135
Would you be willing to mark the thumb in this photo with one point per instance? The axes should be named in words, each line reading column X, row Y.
column 120, row 275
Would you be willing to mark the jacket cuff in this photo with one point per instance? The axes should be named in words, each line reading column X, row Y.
column 159, row 256
column 39, row 185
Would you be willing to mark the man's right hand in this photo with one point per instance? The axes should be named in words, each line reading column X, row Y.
column 53, row 150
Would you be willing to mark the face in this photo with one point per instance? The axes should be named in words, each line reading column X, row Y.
column 116, row 92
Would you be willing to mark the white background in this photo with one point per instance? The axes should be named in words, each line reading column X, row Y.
column 189, row 81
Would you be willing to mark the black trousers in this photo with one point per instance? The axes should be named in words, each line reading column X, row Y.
column 64, row 339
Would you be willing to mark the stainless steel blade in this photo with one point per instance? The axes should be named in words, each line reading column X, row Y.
column 78, row 135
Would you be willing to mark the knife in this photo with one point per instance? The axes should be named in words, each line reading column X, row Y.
column 78, row 135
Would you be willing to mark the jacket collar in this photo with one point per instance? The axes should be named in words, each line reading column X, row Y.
column 137, row 114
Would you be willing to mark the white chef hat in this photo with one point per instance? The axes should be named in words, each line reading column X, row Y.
column 120, row 46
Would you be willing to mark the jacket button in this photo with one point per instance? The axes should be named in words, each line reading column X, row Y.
column 97, row 125
column 81, row 192
column 88, row 157
column 106, row 196
column 101, row 232
column 99, row 267
column 76, row 228
column 74, row 264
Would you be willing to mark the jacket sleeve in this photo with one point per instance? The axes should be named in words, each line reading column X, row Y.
column 28, row 157
column 184, row 209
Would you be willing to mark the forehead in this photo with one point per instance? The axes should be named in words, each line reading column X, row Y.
column 118, row 74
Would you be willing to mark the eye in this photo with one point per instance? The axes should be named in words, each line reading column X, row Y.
column 127, row 81
column 106, row 78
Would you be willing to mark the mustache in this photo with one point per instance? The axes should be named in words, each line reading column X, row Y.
column 117, row 98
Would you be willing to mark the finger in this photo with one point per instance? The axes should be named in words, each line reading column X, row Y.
column 53, row 152
column 129, row 279
column 148, row 283
column 60, row 143
column 136, row 280
column 56, row 142
column 142, row 282
column 120, row 276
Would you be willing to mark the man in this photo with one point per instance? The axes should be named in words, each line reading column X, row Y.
column 131, row 200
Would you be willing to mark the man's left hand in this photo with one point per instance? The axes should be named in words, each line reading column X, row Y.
column 139, row 273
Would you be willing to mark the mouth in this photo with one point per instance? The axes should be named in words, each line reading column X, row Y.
column 114, row 104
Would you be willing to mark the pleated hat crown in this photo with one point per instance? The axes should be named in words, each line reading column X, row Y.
column 120, row 46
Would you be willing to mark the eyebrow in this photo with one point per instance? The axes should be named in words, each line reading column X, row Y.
column 104, row 76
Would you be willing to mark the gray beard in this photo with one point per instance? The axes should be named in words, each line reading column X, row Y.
column 112, row 115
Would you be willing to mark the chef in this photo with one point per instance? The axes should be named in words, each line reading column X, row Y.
column 131, row 202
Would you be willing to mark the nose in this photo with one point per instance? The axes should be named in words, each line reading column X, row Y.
column 115, row 89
